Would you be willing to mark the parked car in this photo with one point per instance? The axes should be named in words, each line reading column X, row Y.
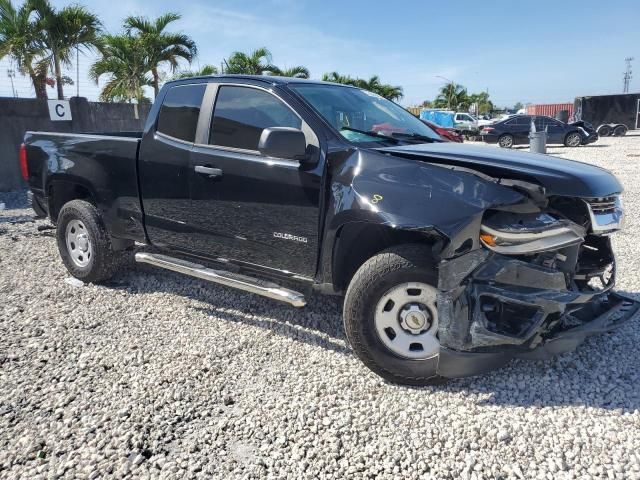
column 449, row 134
column 485, row 120
column 461, row 121
column 451, row 259
column 465, row 122
column 515, row 131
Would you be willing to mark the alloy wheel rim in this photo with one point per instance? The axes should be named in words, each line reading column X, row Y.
column 506, row 142
column 78, row 243
column 406, row 321
column 574, row 140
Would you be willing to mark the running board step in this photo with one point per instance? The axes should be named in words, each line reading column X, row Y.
column 229, row 279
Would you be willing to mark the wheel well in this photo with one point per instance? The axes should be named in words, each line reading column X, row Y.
column 359, row 241
column 62, row 192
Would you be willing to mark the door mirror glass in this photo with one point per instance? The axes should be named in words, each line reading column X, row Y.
column 283, row 142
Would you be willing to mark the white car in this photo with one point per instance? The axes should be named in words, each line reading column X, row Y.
column 465, row 121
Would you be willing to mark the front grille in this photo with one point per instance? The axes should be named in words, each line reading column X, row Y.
column 602, row 205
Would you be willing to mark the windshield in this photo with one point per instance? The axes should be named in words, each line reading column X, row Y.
column 362, row 116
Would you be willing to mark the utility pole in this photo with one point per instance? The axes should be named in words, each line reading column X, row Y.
column 627, row 75
column 11, row 74
column 77, row 71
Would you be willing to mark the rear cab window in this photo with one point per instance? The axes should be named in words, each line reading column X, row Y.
column 178, row 117
column 241, row 113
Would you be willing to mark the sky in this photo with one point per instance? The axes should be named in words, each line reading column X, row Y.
column 531, row 52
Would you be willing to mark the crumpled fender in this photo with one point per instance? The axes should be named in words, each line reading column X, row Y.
column 409, row 194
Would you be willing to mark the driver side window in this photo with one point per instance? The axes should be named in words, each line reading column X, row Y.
column 241, row 113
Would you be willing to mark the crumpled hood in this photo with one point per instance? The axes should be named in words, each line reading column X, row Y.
column 558, row 176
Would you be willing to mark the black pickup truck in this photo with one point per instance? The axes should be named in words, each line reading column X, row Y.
column 452, row 259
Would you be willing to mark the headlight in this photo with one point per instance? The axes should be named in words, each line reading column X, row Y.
column 520, row 234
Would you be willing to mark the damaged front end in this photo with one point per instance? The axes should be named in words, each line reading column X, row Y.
column 540, row 283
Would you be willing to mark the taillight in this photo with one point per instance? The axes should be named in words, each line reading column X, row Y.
column 24, row 167
column 486, row 130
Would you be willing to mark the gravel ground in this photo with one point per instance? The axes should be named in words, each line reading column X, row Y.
column 160, row 376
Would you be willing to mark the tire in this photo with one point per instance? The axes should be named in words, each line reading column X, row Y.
column 364, row 305
column 84, row 244
column 619, row 131
column 604, row 130
column 505, row 141
column 573, row 139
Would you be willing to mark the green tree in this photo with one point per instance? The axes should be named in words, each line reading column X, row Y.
column 452, row 96
column 427, row 104
column 204, row 71
column 336, row 77
column 63, row 31
column 127, row 66
column 482, row 100
column 373, row 84
column 518, row 106
column 257, row 62
column 295, row 72
column 160, row 46
column 19, row 39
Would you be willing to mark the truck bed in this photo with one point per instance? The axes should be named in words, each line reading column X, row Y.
column 103, row 164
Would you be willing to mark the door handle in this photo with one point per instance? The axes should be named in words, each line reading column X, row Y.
column 210, row 171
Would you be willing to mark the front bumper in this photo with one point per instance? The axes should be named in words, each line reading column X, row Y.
column 493, row 308
column 456, row 364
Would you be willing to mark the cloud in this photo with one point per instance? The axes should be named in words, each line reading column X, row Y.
column 219, row 31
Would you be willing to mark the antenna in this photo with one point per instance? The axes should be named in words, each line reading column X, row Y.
column 627, row 75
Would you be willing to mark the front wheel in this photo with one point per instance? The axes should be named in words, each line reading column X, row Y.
column 574, row 139
column 505, row 141
column 391, row 315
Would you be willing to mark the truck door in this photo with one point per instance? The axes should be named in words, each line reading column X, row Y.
column 164, row 166
column 247, row 207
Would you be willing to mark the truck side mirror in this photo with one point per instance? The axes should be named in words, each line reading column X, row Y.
column 283, row 142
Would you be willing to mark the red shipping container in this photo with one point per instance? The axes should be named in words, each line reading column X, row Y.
column 549, row 109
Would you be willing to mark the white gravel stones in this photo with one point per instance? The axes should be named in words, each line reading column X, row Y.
column 161, row 376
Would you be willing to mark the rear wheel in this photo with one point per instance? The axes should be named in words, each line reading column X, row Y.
column 84, row 244
column 391, row 315
column 620, row 131
column 573, row 139
column 604, row 130
column 505, row 141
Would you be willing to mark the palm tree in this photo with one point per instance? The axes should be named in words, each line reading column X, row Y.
column 295, row 72
column 63, row 31
column 257, row 62
column 161, row 47
column 19, row 40
column 124, row 60
column 452, row 96
column 203, row 72
column 336, row 77
column 390, row 92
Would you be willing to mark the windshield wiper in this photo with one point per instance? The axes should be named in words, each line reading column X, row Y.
column 415, row 136
column 371, row 133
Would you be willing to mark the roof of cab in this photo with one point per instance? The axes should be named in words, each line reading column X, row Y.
column 269, row 79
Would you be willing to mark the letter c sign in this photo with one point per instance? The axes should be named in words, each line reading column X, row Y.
column 59, row 110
